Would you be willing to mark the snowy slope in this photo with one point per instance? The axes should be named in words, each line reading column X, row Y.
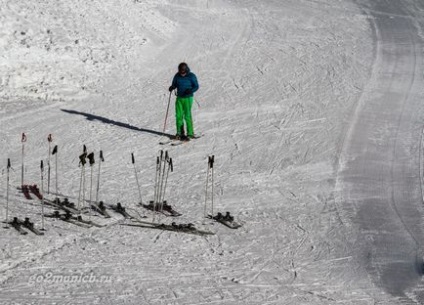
column 281, row 85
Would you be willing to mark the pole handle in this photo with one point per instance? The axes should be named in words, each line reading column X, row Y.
column 90, row 158
column 132, row 158
column 211, row 161
column 82, row 159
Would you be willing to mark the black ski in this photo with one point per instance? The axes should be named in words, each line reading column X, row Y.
column 165, row 209
column 173, row 141
column 65, row 205
column 227, row 220
column 30, row 226
column 118, row 208
column 68, row 218
column 179, row 228
column 16, row 224
column 100, row 208
column 88, row 222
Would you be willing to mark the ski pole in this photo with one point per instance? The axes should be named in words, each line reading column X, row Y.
column 136, row 178
column 102, row 159
column 7, row 192
column 165, row 161
column 55, row 153
column 23, row 140
column 156, row 179
column 206, row 187
column 50, row 140
column 167, row 112
column 83, row 161
column 212, row 195
column 42, row 194
column 170, row 169
column 91, row 161
column 157, row 198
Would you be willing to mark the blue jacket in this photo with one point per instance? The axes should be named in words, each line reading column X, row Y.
column 184, row 83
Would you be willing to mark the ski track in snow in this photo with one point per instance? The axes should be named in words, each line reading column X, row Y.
column 280, row 82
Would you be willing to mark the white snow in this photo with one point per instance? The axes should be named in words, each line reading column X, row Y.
column 279, row 82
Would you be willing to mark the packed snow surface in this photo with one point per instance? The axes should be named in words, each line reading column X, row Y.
column 312, row 109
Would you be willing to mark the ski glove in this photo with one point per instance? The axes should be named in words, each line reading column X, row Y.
column 172, row 88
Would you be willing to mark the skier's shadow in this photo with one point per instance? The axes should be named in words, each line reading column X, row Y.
column 92, row 117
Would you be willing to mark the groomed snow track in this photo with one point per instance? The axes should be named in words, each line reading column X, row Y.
column 380, row 174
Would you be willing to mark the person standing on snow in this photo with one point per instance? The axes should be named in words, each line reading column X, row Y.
column 185, row 82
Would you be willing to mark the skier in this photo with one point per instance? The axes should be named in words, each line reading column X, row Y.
column 185, row 82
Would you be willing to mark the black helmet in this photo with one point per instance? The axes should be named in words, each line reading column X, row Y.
column 183, row 67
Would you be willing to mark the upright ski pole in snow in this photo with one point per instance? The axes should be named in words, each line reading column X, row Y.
column 81, row 194
column 98, row 176
column 55, row 153
column 212, row 161
column 162, row 176
column 170, row 169
column 91, row 161
column 159, row 174
column 156, row 179
column 23, row 140
column 50, row 140
column 167, row 112
column 136, row 178
column 7, row 192
column 42, row 194
column 209, row 173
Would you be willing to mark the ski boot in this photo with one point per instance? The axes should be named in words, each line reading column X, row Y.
column 228, row 217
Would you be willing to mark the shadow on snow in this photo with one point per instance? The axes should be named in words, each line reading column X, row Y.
column 92, row 117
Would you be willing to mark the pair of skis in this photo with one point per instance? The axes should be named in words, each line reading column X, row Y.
column 173, row 141
column 180, row 228
column 25, row 189
column 19, row 226
column 75, row 220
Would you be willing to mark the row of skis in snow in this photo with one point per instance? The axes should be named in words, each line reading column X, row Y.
column 72, row 213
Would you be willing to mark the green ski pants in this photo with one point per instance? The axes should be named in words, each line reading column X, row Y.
column 183, row 113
